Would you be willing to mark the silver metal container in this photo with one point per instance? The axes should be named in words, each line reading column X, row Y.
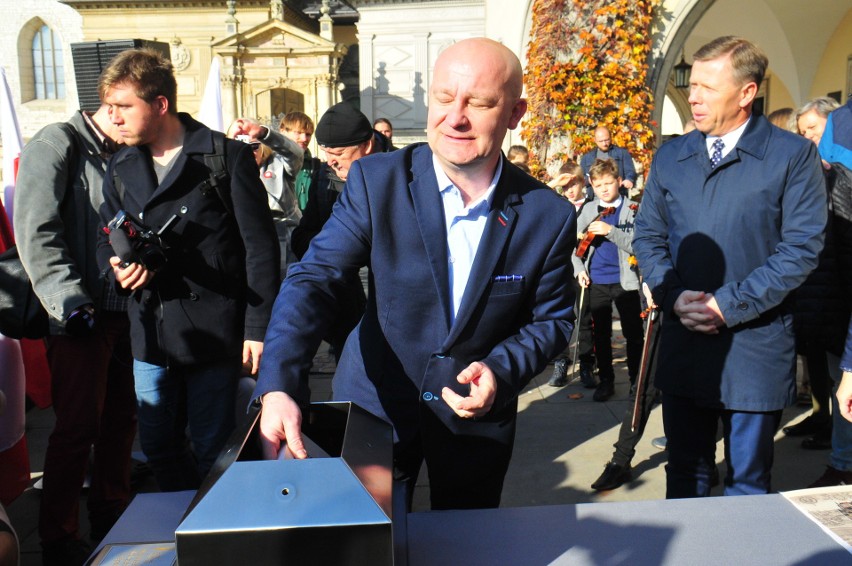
column 333, row 508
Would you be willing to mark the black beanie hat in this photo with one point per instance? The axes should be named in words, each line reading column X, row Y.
column 341, row 126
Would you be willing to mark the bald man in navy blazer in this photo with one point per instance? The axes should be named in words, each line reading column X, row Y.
column 469, row 297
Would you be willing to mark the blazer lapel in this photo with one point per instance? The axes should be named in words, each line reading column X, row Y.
column 428, row 209
column 498, row 226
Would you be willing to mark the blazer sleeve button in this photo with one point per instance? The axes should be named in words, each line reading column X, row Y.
column 742, row 305
column 193, row 297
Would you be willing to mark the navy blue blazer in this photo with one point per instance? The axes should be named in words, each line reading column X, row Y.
column 749, row 231
column 622, row 158
column 404, row 350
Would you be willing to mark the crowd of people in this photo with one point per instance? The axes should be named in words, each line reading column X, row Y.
column 180, row 265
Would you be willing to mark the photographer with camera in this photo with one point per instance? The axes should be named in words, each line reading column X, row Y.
column 200, row 257
column 88, row 349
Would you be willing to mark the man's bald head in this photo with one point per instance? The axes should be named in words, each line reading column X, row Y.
column 484, row 50
column 603, row 139
column 474, row 97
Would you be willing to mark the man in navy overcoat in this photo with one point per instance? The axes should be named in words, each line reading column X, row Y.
column 731, row 222
column 469, row 297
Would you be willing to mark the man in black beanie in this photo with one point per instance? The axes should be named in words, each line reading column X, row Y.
column 345, row 136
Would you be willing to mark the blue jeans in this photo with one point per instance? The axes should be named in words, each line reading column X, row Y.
column 168, row 399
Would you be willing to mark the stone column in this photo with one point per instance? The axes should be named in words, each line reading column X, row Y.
column 229, row 99
column 326, row 93
column 366, row 70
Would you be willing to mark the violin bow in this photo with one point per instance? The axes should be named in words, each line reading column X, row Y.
column 574, row 361
column 651, row 314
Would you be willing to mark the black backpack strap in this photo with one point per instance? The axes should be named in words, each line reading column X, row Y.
column 219, row 180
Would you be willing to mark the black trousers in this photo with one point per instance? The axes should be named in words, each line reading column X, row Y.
column 625, row 446
column 601, row 298
column 465, row 472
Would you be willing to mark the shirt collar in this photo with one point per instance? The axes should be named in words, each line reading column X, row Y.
column 730, row 139
column 614, row 204
column 106, row 145
column 445, row 184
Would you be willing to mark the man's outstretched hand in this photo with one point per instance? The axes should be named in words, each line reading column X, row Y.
column 281, row 423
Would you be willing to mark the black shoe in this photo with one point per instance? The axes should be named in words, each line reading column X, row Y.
column 605, row 390
column 613, row 476
column 833, row 476
column 587, row 377
column 560, row 374
column 819, row 441
column 68, row 552
column 808, row 427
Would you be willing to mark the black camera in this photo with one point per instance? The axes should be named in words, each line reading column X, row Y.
column 134, row 242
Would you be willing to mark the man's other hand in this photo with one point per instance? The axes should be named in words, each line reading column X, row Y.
column 252, row 352
column 280, row 423
column 844, row 395
column 483, row 389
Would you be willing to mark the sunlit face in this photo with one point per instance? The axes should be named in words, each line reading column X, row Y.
column 340, row 159
column 384, row 129
column 811, row 124
column 606, row 188
column 470, row 107
column 137, row 121
column 300, row 136
column 573, row 191
column 719, row 104
column 603, row 139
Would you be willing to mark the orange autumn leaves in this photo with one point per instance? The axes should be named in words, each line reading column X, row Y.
column 587, row 64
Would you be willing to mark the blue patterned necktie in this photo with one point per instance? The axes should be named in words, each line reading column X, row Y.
column 718, row 145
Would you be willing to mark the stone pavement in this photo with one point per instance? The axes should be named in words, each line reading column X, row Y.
column 561, row 447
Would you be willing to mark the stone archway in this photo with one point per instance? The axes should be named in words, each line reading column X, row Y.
column 667, row 50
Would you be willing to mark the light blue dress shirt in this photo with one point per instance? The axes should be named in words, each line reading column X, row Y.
column 465, row 226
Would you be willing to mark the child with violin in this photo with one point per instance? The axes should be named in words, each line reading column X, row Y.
column 603, row 267
column 570, row 182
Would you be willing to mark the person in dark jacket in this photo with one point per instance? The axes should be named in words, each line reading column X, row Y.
column 821, row 313
column 200, row 315
column 345, row 136
column 607, row 150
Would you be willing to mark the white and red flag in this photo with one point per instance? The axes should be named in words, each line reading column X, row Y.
column 12, row 142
